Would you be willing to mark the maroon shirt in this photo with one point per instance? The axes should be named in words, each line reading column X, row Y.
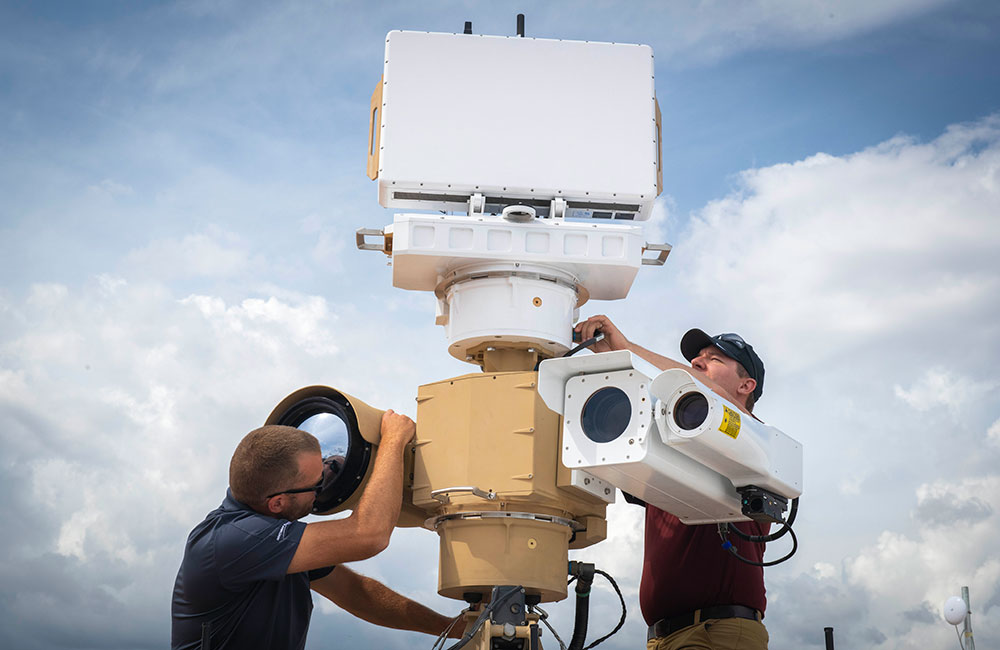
column 685, row 568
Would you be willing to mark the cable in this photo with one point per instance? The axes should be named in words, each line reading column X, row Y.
column 726, row 544
column 959, row 634
column 786, row 527
column 621, row 621
column 586, row 344
column 544, row 619
column 444, row 634
column 584, row 573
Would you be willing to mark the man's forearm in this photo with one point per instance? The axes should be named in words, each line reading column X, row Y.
column 372, row 601
column 378, row 507
column 385, row 607
column 658, row 360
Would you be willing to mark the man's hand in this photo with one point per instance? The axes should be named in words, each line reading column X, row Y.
column 613, row 338
column 397, row 429
column 367, row 531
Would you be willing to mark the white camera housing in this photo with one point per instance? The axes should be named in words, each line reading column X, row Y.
column 621, row 422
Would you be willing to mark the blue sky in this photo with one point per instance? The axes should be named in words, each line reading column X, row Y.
column 180, row 186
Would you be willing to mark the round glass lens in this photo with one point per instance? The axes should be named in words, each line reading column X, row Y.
column 606, row 414
column 331, row 431
column 691, row 411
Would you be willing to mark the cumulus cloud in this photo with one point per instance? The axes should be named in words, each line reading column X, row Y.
column 939, row 387
column 120, row 406
column 952, row 549
column 993, row 433
column 944, row 504
column 831, row 254
column 205, row 254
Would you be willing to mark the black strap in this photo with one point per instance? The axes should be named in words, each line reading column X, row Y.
column 206, row 636
column 667, row 626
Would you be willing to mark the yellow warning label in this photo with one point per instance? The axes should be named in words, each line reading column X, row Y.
column 730, row 422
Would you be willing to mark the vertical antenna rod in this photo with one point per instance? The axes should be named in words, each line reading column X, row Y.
column 520, row 25
column 970, row 643
column 468, row 27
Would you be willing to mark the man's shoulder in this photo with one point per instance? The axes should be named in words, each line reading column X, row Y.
column 229, row 528
column 225, row 527
column 240, row 546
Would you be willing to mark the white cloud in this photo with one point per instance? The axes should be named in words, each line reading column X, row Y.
column 939, row 387
column 824, row 570
column 271, row 324
column 831, row 254
column 109, row 189
column 206, row 254
column 993, row 433
column 851, row 485
column 933, row 564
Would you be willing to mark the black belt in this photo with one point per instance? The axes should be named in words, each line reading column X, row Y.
column 667, row 626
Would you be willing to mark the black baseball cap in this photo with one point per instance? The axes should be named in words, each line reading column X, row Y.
column 733, row 346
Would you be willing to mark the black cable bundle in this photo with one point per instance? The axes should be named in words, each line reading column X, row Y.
column 725, row 529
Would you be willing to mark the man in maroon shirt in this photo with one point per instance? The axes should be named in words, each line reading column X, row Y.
column 694, row 594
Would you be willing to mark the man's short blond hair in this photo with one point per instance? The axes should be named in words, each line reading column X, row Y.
column 267, row 461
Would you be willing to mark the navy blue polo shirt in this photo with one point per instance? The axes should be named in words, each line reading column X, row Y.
column 233, row 577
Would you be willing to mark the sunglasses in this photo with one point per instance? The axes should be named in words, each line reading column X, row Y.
column 735, row 339
column 316, row 488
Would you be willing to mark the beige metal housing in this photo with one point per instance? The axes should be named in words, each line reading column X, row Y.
column 487, row 471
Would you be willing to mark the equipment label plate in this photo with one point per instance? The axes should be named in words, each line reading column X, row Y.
column 730, row 422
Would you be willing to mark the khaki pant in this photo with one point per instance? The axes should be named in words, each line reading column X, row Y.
column 715, row 634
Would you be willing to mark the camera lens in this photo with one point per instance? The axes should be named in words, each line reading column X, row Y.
column 606, row 414
column 691, row 411
column 346, row 453
column 331, row 431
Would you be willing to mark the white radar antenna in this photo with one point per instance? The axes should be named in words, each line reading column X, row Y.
column 542, row 157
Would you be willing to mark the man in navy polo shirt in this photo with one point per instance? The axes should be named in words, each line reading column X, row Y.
column 248, row 568
column 694, row 593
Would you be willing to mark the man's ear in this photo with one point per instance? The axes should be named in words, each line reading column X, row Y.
column 275, row 504
column 747, row 386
